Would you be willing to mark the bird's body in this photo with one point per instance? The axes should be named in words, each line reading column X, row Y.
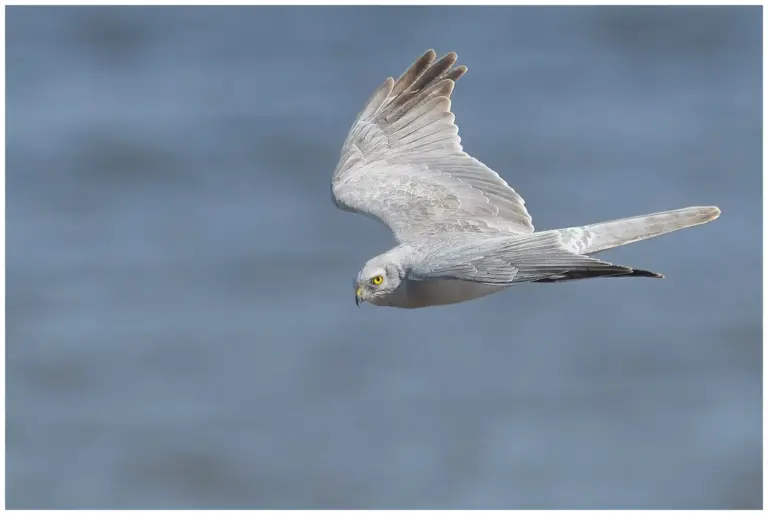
column 462, row 231
column 437, row 292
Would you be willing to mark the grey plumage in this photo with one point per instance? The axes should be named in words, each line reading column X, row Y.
column 403, row 163
column 506, row 260
column 594, row 238
column 456, row 221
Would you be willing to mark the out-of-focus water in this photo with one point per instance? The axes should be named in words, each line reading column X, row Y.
column 181, row 330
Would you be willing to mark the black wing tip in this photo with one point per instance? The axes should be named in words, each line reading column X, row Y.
column 422, row 63
column 609, row 271
column 425, row 78
column 646, row 273
column 457, row 72
column 429, row 60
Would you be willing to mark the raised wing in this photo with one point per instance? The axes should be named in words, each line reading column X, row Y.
column 403, row 163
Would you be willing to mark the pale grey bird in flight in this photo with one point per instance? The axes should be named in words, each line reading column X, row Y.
column 462, row 232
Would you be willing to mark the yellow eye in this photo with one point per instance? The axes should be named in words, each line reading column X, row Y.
column 377, row 280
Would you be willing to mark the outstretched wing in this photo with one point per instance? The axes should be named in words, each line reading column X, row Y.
column 506, row 260
column 403, row 163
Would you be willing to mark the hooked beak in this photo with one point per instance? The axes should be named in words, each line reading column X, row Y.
column 358, row 297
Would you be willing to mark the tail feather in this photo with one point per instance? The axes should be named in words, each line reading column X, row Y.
column 598, row 237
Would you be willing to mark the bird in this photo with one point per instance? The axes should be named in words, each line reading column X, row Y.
column 461, row 231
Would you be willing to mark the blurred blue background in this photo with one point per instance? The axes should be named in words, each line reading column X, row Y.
column 181, row 328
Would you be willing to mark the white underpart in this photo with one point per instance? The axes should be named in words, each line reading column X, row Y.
column 418, row 294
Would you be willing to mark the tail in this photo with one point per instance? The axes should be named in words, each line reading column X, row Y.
column 595, row 238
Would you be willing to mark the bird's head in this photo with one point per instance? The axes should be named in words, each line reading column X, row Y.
column 378, row 280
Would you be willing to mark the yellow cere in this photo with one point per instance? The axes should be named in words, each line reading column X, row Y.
column 377, row 280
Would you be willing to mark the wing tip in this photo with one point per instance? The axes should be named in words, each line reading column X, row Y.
column 645, row 273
